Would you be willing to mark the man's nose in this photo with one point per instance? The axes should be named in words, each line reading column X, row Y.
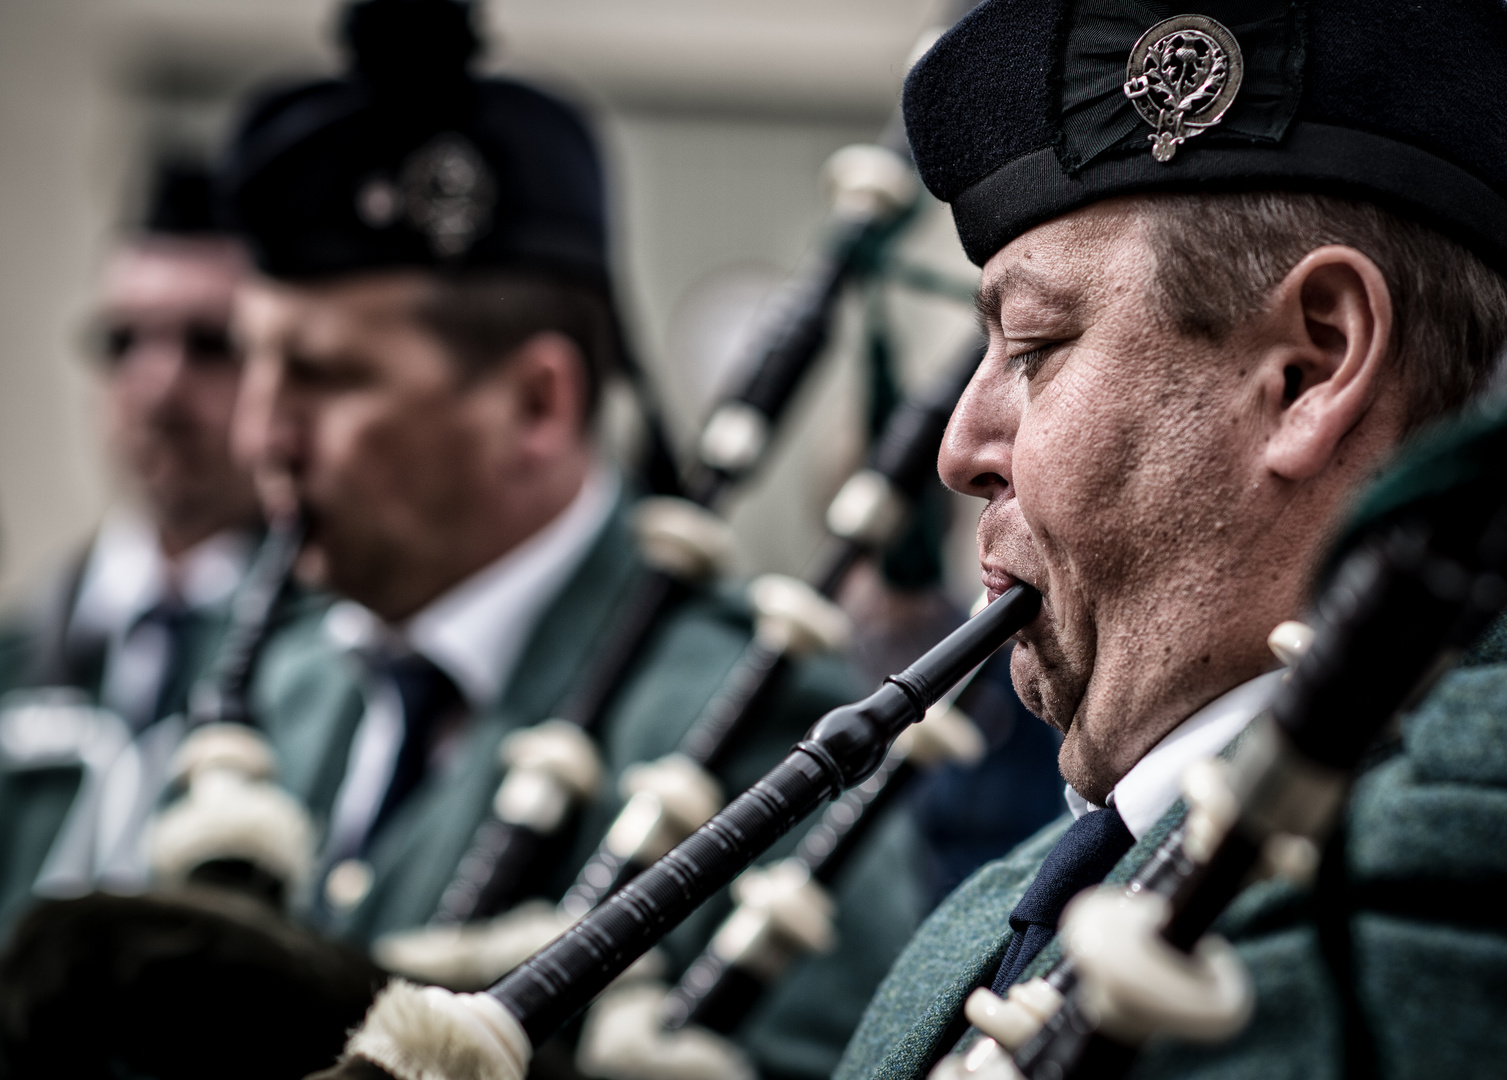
column 265, row 430
column 157, row 370
column 976, row 450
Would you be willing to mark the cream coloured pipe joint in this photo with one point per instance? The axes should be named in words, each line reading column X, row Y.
column 232, row 824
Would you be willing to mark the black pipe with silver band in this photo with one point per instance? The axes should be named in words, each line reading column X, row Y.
column 413, row 1032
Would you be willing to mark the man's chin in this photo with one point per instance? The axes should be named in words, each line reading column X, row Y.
column 1086, row 766
column 313, row 567
column 1026, row 675
column 350, row 572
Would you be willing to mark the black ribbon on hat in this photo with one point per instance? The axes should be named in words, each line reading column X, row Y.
column 1095, row 116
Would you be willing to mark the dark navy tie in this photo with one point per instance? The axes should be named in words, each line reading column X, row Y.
column 164, row 695
column 1083, row 857
column 429, row 696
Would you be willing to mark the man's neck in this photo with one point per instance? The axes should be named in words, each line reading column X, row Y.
column 1153, row 784
column 477, row 630
column 504, row 523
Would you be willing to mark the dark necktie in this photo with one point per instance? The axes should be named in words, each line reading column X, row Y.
column 1083, row 857
column 175, row 620
column 428, row 696
column 153, row 686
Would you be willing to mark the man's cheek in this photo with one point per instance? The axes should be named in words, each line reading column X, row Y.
column 1043, row 498
column 340, row 459
column 313, row 567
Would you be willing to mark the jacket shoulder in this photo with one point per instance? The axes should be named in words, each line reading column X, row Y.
column 18, row 637
column 1425, row 858
column 954, row 951
column 305, row 697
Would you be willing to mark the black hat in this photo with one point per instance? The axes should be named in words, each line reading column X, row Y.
column 1027, row 109
column 182, row 202
column 200, row 982
column 409, row 161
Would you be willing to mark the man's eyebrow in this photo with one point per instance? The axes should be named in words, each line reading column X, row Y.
column 986, row 303
column 993, row 293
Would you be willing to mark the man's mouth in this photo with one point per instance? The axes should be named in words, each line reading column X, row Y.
column 997, row 582
column 313, row 525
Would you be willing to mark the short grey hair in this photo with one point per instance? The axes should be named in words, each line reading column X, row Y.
column 482, row 316
column 1219, row 256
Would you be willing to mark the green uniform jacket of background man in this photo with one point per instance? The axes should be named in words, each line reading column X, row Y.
column 308, row 702
column 1426, row 859
column 34, row 800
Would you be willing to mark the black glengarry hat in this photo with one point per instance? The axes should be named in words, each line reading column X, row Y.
column 1028, row 109
column 410, row 161
column 182, row 202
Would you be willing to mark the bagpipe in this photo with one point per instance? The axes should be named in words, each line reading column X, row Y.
column 140, row 963
column 784, row 910
column 1419, row 576
column 532, row 1003
column 230, row 826
column 866, row 514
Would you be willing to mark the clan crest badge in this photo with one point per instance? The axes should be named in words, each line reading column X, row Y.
column 448, row 192
column 444, row 190
column 1182, row 76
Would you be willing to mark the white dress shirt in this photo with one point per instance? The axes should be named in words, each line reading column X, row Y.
column 127, row 576
column 1154, row 783
column 475, row 633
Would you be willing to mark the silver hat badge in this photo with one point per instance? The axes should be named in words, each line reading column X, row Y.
column 448, row 191
column 1182, row 77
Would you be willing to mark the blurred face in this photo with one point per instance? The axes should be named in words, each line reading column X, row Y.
column 1121, row 462
column 170, row 377
column 411, row 476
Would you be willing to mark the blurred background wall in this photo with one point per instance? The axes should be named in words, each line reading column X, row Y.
column 716, row 116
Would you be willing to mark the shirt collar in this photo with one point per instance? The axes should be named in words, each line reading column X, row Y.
column 127, row 574
column 476, row 631
column 1154, row 783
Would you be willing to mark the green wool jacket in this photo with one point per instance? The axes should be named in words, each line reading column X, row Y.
column 1426, row 856
column 34, row 801
column 309, row 703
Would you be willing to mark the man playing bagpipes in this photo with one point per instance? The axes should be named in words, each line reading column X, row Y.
column 1228, row 267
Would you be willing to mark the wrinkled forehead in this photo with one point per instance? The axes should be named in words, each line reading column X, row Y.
column 1069, row 263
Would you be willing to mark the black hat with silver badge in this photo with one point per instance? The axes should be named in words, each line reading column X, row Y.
column 1030, row 108
column 410, row 161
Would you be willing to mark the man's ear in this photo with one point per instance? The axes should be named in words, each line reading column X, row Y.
column 543, row 382
column 1332, row 315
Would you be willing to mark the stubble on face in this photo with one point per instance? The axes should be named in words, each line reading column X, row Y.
column 1122, row 441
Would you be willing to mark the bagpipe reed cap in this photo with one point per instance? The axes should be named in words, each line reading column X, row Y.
column 869, row 181
column 1289, row 641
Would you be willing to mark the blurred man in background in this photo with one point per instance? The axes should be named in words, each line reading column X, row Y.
column 134, row 617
